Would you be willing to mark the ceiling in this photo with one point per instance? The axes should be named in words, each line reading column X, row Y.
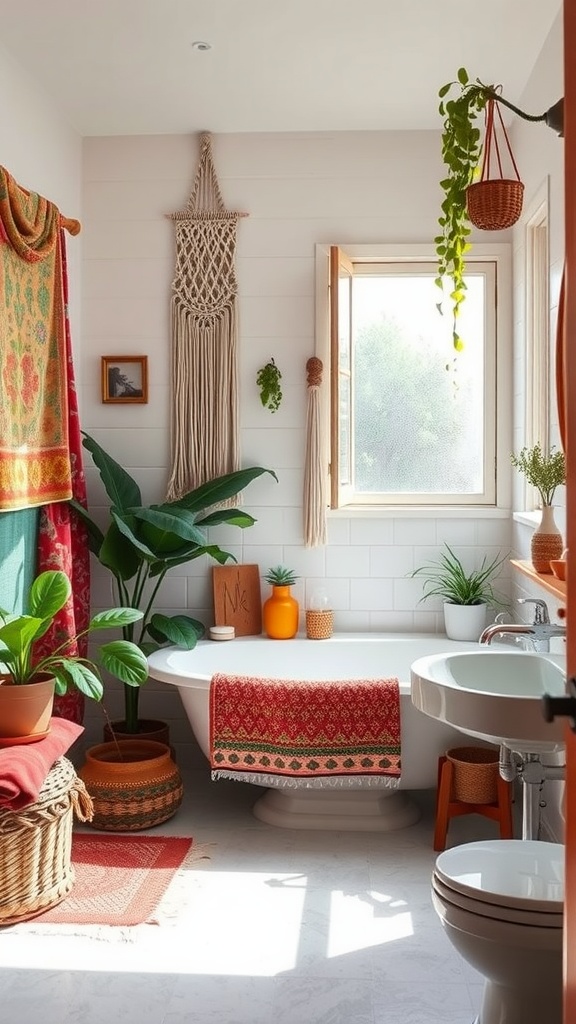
column 128, row 67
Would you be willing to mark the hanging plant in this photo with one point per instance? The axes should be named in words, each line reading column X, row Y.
column 268, row 380
column 461, row 151
column 461, row 147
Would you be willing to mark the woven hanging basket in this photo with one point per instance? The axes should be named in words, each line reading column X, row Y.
column 494, row 204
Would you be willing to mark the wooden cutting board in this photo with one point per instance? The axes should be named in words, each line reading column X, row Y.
column 237, row 598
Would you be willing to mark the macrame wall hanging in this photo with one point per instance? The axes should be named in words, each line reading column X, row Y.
column 203, row 314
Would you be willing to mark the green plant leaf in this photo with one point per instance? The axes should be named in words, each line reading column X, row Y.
column 81, row 676
column 220, row 489
column 117, row 555
column 122, row 490
column 95, row 535
column 48, row 594
column 115, row 618
column 177, row 629
column 125, row 529
column 231, row 516
column 125, row 661
column 165, row 527
column 19, row 634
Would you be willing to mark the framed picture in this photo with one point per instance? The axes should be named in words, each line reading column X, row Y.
column 125, row 379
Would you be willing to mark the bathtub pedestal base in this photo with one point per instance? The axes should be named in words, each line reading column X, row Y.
column 342, row 810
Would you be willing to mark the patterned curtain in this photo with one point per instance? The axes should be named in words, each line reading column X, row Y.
column 40, row 445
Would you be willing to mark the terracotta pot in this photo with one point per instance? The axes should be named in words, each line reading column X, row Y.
column 134, row 784
column 280, row 614
column 546, row 542
column 26, row 710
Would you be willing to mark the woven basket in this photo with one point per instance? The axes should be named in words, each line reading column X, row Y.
column 134, row 784
column 35, row 846
column 319, row 625
column 495, row 204
column 474, row 775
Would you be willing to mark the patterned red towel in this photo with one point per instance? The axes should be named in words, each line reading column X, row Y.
column 302, row 729
column 23, row 768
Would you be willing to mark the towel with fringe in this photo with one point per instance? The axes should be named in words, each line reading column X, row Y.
column 289, row 732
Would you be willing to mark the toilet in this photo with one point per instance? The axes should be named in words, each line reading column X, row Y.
column 501, row 903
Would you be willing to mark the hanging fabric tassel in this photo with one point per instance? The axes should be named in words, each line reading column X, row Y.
column 314, row 475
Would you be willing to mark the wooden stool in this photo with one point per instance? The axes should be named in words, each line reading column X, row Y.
column 446, row 808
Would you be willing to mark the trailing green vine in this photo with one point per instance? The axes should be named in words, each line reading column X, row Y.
column 268, row 380
column 461, row 149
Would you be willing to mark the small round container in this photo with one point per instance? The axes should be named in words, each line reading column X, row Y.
column 222, row 632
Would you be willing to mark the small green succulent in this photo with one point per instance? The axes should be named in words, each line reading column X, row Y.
column 268, row 380
column 279, row 576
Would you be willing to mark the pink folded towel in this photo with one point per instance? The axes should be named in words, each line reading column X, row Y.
column 24, row 768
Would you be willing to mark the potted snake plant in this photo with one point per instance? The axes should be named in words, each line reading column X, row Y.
column 466, row 593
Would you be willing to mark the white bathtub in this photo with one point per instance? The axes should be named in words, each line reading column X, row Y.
column 367, row 806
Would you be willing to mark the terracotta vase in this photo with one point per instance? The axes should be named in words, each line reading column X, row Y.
column 547, row 541
column 134, row 784
column 25, row 710
column 280, row 614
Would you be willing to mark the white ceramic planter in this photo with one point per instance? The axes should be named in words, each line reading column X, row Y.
column 464, row 621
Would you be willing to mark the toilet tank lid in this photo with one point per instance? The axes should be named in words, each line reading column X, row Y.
column 506, row 871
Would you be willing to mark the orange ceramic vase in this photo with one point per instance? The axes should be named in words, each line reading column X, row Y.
column 280, row 614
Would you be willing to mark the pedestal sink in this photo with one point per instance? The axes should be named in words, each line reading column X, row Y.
column 493, row 695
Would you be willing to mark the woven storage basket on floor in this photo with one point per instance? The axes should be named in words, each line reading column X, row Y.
column 35, row 846
column 495, row 204
column 474, row 775
column 134, row 784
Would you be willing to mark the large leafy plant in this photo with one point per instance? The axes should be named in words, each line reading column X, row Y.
column 48, row 594
column 143, row 543
column 447, row 578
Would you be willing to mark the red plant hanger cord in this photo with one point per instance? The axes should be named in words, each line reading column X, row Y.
column 491, row 138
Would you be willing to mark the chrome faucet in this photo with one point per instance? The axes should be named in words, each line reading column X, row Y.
column 538, row 633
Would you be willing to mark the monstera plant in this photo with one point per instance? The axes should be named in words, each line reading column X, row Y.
column 143, row 543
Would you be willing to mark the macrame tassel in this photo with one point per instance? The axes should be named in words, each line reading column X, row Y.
column 204, row 330
column 314, row 476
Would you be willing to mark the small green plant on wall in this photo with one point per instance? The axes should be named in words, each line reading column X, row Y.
column 268, row 380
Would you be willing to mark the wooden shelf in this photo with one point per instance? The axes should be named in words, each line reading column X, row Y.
column 548, row 581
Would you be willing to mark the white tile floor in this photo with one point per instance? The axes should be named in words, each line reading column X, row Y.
column 278, row 927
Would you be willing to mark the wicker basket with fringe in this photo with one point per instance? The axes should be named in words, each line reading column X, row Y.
column 474, row 775
column 35, row 846
column 135, row 784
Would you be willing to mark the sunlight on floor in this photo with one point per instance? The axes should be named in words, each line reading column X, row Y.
column 252, row 925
